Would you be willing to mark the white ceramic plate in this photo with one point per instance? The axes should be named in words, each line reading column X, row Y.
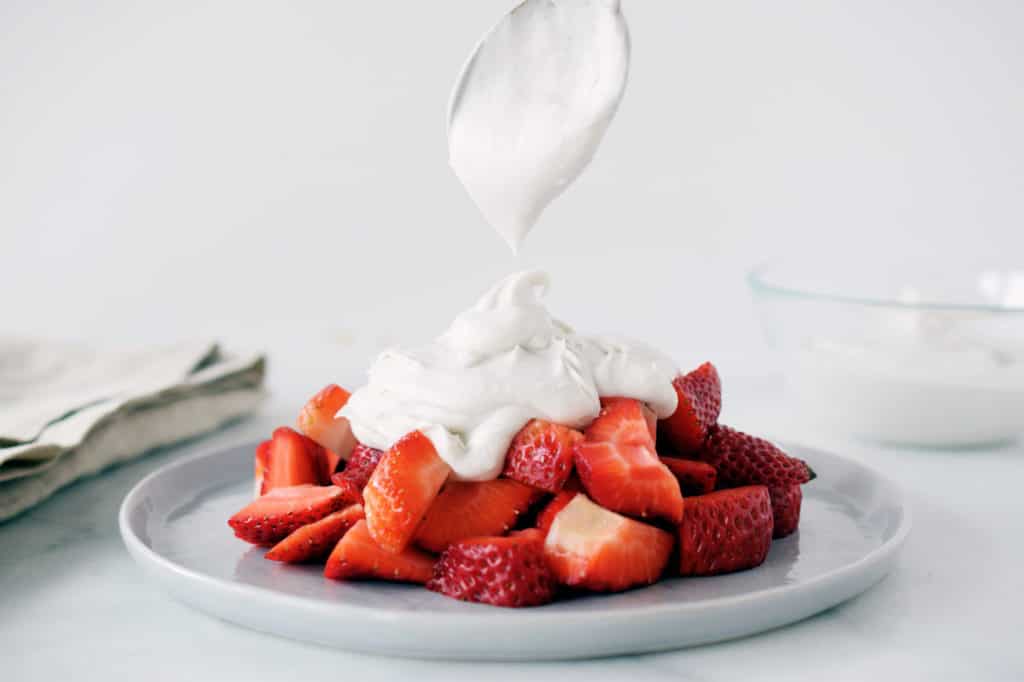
column 174, row 522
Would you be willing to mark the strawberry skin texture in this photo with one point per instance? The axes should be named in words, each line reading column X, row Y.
column 620, row 469
column 318, row 420
column 592, row 548
column 401, row 490
column 557, row 503
column 786, row 509
column 357, row 556
column 501, row 571
column 700, row 403
column 474, row 508
column 272, row 517
column 361, row 464
column 725, row 531
column 317, row 539
column 741, row 459
column 695, row 478
column 541, row 455
column 292, row 459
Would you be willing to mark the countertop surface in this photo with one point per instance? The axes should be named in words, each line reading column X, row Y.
column 75, row 605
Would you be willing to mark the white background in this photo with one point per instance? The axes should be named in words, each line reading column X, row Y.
column 256, row 169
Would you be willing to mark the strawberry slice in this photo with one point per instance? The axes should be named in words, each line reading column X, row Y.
column 318, row 420
column 541, row 455
column 649, row 416
column 474, row 508
column 725, row 531
column 260, row 464
column 700, row 403
column 620, row 469
column 741, row 459
column 317, row 539
column 596, row 549
column 401, row 489
column 360, row 465
column 558, row 503
column 291, row 459
column 785, row 509
column 501, row 571
column 358, row 556
column 269, row 519
column 695, row 478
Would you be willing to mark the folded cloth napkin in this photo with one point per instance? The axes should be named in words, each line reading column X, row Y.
column 68, row 411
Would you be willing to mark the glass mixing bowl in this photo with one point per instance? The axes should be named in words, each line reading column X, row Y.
column 899, row 353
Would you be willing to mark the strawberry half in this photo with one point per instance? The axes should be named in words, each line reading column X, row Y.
column 557, row 503
column 260, row 463
column 785, row 509
column 700, row 403
column 317, row 539
column 725, row 531
column 318, row 420
column 360, row 465
column 291, row 459
column 269, row 519
column 596, row 549
column 358, row 556
column 620, row 469
column 501, row 571
column 473, row 508
column 741, row 459
column 401, row 489
column 541, row 455
column 695, row 478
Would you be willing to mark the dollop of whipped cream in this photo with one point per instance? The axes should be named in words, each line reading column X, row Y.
column 502, row 362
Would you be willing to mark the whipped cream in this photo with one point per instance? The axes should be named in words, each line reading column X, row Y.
column 500, row 363
column 532, row 104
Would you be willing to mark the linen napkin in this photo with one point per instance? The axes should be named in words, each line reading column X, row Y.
column 68, row 411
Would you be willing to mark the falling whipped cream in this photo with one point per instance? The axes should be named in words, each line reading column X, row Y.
column 532, row 104
column 501, row 363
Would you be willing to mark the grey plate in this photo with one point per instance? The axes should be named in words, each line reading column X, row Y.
column 174, row 524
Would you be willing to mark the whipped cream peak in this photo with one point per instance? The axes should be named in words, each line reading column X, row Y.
column 501, row 363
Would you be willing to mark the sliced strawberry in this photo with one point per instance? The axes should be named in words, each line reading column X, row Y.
column 596, row 549
column 317, row 539
column 620, row 469
column 360, row 465
column 474, row 508
column 557, row 504
column 725, row 531
column 649, row 416
column 260, row 463
column 785, row 509
column 695, row 478
column 700, row 402
column 501, row 571
column 741, row 459
column 401, row 489
column 358, row 556
column 269, row 519
column 541, row 455
column 318, row 420
column 292, row 459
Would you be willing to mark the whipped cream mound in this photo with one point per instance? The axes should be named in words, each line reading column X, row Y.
column 501, row 363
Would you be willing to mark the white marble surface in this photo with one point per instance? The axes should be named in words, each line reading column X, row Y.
column 74, row 605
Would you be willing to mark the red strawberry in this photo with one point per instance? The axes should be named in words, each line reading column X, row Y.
column 741, row 459
column 471, row 509
column 700, row 402
column 620, row 469
column 316, row 539
column 260, row 467
column 725, row 531
column 557, row 504
column 292, row 459
column 358, row 556
column 596, row 549
column 695, row 478
column 541, row 455
column 785, row 509
column 319, row 421
column 401, row 489
column 269, row 519
column 649, row 416
column 360, row 465
column 501, row 571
